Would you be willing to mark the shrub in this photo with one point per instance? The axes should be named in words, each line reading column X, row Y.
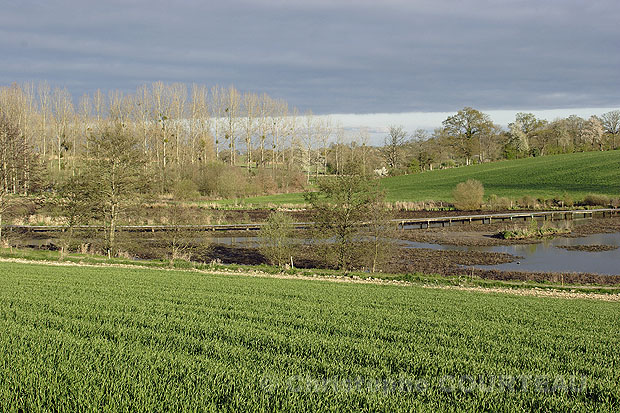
column 264, row 182
column 499, row 203
column 276, row 242
column 414, row 166
column 533, row 231
column 566, row 200
column 185, row 190
column 468, row 195
column 223, row 181
column 450, row 163
column 596, row 200
column 528, row 202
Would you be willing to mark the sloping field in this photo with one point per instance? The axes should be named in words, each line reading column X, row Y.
column 544, row 177
column 111, row 339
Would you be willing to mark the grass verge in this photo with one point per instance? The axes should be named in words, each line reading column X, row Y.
column 463, row 280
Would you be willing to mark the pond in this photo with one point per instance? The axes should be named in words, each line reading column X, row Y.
column 545, row 256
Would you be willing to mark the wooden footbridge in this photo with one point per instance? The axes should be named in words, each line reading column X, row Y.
column 405, row 224
column 421, row 223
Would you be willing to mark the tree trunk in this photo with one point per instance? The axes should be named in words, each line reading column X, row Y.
column 111, row 235
column 374, row 259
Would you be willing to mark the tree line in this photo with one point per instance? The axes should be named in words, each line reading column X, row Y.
column 221, row 142
column 181, row 130
column 470, row 136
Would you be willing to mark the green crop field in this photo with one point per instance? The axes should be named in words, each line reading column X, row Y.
column 112, row 339
column 545, row 177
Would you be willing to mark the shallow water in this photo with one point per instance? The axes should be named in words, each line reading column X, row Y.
column 540, row 257
column 545, row 256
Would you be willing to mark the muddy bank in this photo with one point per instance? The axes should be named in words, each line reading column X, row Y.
column 422, row 260
column 588, row 248
column 446, row 262
column 405, row 260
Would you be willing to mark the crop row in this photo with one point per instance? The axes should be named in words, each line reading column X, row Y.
column 127, row 339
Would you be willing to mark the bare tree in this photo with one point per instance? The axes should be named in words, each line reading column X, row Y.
column 324, row 132
column 277, row 125
column 163, row 108
column 143, row 115
column 339, row 209
column 251, row 109
column 16, row 106
column 292, row 134
column 43, row 92
column 201, row 123
column 233, row 103
column 611, row 123
column 178, row 102
column 364, row 142
column 15, row 159
column 4, row 206
column 380, row 229
column 116, row 106
column 99, row 105
column 83, row 123
column 217, row 109
column 308, row 138
column 392, row 146
column 265, row 112
column 276, row 242
column 63, row 114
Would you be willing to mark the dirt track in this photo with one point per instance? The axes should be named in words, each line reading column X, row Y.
column 533, row 292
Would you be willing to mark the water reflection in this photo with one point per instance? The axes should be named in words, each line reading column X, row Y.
column 542, row 256
column 546, row 256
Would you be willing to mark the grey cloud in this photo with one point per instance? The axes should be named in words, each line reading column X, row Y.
column 329, row 56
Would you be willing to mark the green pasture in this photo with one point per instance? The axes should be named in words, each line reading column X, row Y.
column 544, row 177
column 575, row 175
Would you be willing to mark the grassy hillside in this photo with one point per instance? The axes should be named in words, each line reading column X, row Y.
column 112, row 339
column 544, row 177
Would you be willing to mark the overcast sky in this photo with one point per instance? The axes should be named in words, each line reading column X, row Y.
column 339, row 56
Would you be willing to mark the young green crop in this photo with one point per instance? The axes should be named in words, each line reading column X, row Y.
column 544, row 177
column 78, row 338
